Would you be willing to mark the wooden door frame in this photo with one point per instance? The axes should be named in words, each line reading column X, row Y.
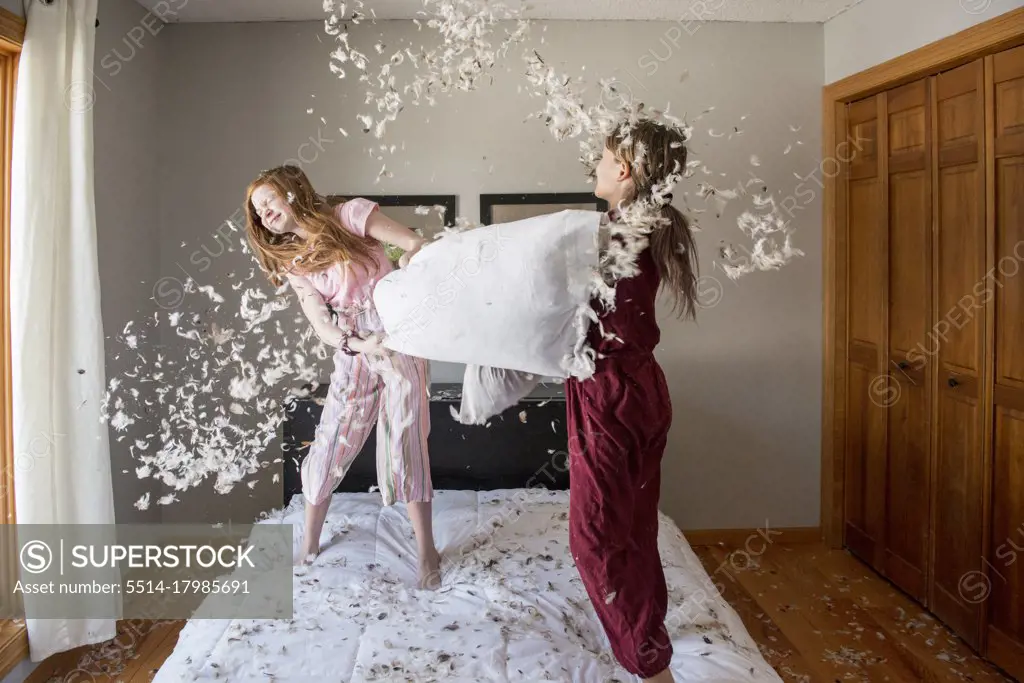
column 1000, row 33
column 13, row 638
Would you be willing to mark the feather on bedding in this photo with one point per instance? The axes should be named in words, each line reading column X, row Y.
column 511, row 608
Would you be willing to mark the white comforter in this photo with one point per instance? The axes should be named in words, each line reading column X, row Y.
column 511, row 608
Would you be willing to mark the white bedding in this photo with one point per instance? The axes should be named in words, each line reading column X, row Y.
column 511, row 607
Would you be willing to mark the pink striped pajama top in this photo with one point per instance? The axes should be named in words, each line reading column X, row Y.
column 390, row 391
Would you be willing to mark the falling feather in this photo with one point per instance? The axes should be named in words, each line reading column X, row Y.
column 210, row 292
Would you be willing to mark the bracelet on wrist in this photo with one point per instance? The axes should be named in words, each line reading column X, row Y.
column 346, row 348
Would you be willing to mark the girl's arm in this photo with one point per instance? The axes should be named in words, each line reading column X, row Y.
column 319, row 316
column 362, row 217
column 316, row 310
column 384, row 229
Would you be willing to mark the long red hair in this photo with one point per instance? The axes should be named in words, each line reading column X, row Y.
column 328, row 242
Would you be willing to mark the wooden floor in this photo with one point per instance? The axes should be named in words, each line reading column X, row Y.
column 821, row 615
column 817, row 614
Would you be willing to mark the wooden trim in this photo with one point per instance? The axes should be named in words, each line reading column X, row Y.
column 12, row 30
column 994, row 35
column 740, row 537
column 988, row 342
column 930, row 371
column 933, row 378
column 8, row 558
column 13, row 645
column 834, row 316
column 882, row 152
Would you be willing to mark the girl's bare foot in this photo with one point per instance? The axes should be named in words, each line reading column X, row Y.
column 310, row 546
column 430, row 570
column 420, row 514
column 306, row 555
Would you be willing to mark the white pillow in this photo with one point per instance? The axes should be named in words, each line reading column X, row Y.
column 487, row 392
column 511, row 295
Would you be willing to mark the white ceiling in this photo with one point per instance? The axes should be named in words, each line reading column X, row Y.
column 640, row 10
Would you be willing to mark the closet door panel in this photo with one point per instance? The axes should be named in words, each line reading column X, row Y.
column 957, row 344
column 909, row 419
column 868, row 388
column 1006, row 547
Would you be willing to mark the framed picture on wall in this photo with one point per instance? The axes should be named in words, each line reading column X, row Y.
column 425, row 213
column 505, row 208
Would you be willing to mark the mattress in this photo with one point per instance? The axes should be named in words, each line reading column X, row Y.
column 511, row 607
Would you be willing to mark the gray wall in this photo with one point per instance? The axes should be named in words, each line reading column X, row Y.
column 127, row 129
column 15, row 6
column 875, row 31
column 745, row 379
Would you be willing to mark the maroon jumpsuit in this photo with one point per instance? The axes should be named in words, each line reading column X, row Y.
column 618, row 421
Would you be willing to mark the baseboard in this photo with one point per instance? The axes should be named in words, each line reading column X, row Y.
column 13, row 645
column 738, row 537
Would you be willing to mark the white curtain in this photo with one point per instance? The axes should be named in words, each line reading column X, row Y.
column 62, row 449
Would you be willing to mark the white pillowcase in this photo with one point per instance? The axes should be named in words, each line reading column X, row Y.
column 514, row 296
column 486, row 392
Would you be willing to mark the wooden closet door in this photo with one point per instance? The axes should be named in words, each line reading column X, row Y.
column 1006, row 554
column 868, row 389
column 909, row 416
column 957, row 343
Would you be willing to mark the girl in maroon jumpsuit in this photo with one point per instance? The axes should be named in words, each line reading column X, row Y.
column 618, row 419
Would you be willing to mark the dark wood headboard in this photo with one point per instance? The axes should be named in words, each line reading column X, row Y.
column 524, row 447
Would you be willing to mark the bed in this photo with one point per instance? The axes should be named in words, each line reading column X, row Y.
column 511, row 607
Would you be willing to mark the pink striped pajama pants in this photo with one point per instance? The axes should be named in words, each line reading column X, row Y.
column 389, row 391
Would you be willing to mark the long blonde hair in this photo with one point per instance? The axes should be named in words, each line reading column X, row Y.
column 654, row 151
column 328, row 242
